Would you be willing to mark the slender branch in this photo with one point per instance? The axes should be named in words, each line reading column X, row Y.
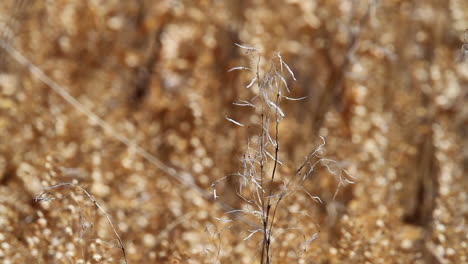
column 42, row 198
column 273, row 173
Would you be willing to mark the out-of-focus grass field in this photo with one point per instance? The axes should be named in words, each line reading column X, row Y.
column 385, row 84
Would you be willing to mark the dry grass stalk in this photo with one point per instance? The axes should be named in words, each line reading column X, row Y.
column 44, row 197
column 259, row 187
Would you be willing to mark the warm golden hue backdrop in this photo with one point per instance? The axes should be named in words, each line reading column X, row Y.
column 386, row 86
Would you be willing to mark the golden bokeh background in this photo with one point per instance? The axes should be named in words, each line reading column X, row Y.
column 385, row 84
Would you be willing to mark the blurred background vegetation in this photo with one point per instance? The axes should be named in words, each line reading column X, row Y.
column 386, row 85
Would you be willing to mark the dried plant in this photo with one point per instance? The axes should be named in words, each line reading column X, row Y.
column 259, row 186
column 47, row 195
